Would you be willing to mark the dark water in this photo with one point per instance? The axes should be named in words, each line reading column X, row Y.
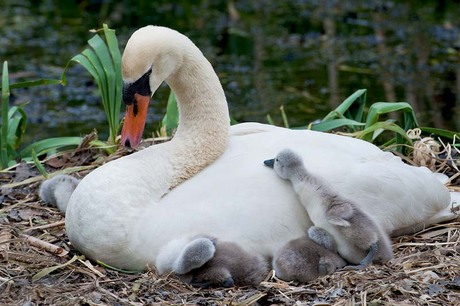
column 304, row 55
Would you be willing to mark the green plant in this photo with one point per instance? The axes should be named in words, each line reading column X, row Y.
column 450, row 136
column 5, row 105
column 368, row 125
column 283, row 117
column 102, row 59
column 14, row 123
column 171, row 118
column 349, row 113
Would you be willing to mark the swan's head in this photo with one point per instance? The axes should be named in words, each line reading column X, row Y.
column 152, row 55
column 285, row 164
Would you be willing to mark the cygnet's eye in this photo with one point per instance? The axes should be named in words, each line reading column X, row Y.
column 276, row 159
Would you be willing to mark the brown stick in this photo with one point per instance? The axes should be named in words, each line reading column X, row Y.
column 45, row 245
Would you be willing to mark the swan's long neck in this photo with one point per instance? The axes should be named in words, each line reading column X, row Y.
column 203, row 116
column 204, row 120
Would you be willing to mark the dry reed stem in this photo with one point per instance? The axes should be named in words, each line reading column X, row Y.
column 46, row 226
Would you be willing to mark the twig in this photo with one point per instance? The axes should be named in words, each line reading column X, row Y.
column 431, row 268
column 18, row 203
column 5, row 280
column 45, row 245
column 46, row 226
column 423, row 244
column 452, row 178
column 41, row 177
column 91, row 267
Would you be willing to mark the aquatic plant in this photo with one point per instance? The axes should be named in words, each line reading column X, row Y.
column 171, row 118
column 367, row 124
column 374, row 123
column 102, row 59
column 14, row 123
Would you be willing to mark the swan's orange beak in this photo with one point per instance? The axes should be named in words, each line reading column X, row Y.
column 136, row 115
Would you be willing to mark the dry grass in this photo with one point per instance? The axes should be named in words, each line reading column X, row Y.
column 425, row 271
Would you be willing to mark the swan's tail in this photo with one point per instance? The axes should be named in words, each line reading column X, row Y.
column 57, row 190
column 447, row 214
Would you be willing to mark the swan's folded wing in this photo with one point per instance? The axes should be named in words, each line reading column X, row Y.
column 394, row 193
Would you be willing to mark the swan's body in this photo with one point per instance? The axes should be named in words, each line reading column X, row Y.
column 144, row 208
column 360, row 240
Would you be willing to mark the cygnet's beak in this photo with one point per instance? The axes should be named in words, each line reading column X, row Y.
column 136, row 115
column 269, row 162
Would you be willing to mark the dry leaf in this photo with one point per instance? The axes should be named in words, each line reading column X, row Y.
column 49, row 270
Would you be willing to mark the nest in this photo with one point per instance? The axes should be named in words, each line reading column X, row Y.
column 40, row 267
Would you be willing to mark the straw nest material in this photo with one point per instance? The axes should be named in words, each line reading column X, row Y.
column 38, row 266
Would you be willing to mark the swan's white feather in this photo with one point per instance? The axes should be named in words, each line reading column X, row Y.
column 130, row 212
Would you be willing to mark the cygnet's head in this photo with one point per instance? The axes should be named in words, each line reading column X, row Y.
column 285, row 164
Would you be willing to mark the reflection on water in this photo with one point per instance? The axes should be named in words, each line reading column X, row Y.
column 306, row 55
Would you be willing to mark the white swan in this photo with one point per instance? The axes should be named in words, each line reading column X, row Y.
column 145, row 208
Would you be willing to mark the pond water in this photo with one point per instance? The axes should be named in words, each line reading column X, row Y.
column 306, row 56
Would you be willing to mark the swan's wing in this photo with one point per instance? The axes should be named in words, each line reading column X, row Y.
column 384, row 187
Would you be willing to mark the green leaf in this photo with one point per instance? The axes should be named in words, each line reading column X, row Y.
column 333, row 124
column 104, row 66
column 39, row 165
column 358, row 97
column 440, row 132
column 116, row 269
column 4, row 128
column 171, row 118
column 233, row 121
column 284, row 117
column 379, row 108
column 368, row 132
column 46, row 145
column 27, row 84
column 112, row 44
column 100, row 77
column 17, row 123
column 103, row 61
column 270, row 120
